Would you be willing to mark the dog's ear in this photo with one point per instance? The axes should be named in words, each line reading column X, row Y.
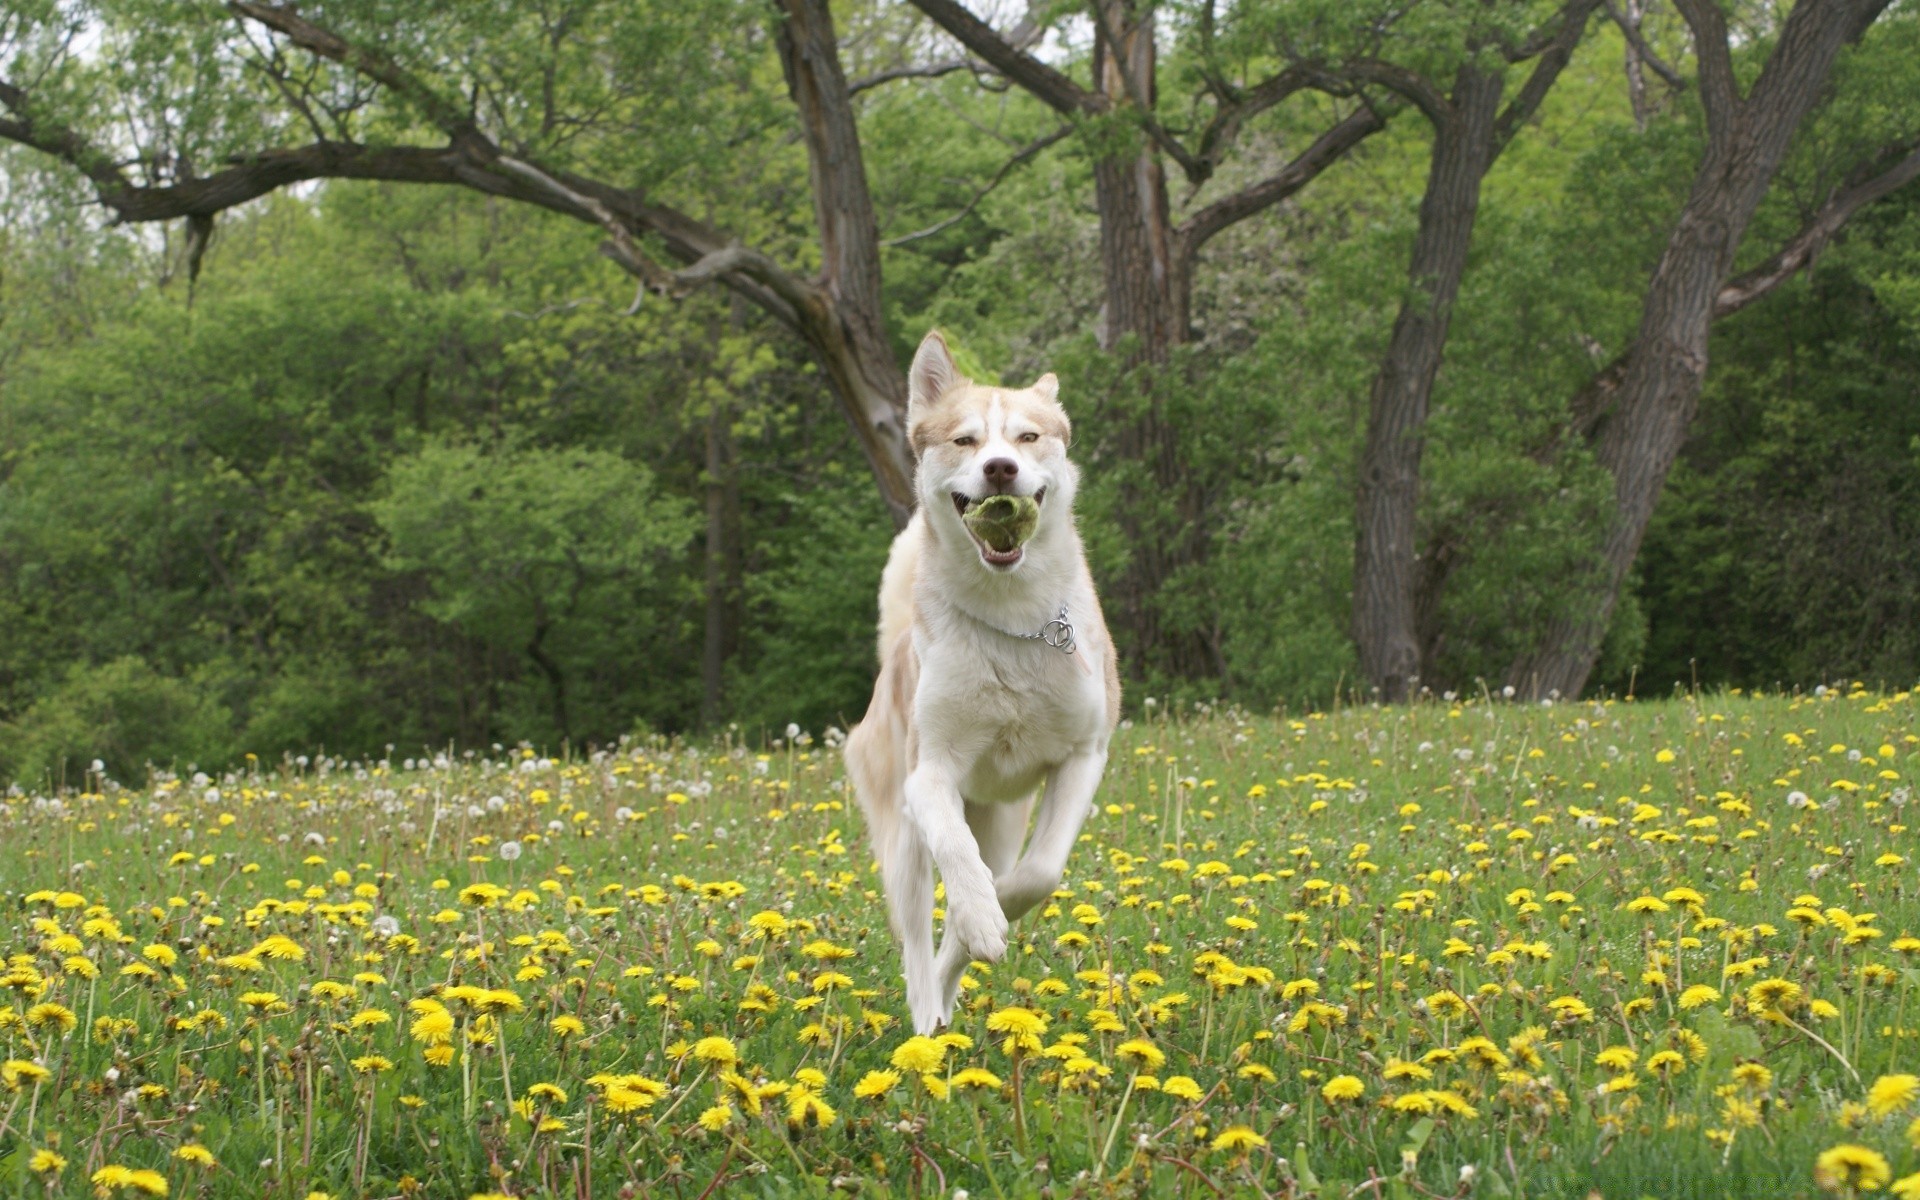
column 931, row 376
column 1048, row 387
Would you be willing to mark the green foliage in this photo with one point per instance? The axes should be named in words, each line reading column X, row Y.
column 1783, row 549
column 403, row 465
column 122, row 713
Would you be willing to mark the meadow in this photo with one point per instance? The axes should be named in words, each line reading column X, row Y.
column 1469, row 948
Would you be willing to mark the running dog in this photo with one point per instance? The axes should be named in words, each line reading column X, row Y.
column 997, row 676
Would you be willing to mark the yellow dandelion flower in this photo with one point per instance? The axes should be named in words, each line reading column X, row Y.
column 1343, row 1087
column 1892, row 1094
column 1238, row 1139
column 1017, row 1021
column 42, row 1015
column 1852, row 1167
column 805, row 1108
column 1698, row 995
column 1770, row 996
column 1141, row 1054
column 875, row 1084
column 919, row 1054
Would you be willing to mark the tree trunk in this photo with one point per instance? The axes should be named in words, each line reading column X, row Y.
column 1386, row 563
column 848, row 334
column 1130, row 190
column 1639, row 439
column 556, row 680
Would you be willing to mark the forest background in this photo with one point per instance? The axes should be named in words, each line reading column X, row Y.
column 331, row 418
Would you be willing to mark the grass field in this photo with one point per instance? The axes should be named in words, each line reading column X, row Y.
column 1634, row 949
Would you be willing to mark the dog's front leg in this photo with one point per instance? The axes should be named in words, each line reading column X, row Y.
column 976, row 928
column 1056, row 830
column 1069, row 795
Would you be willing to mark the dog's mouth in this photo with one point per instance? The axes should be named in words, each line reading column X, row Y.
column 1000, row 559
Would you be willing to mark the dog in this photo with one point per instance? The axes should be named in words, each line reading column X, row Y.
column 997, row 676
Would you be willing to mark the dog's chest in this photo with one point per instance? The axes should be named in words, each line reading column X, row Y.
column 1010, row 718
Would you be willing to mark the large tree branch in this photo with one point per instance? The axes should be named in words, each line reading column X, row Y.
column 63, row 143
column 1803, row 56
column 1555, row 54
column 1326, row 150
column 253, row 176
column 1893, row 168
column 1049, row 86
column 1237, row 108
column 1412, row 86
column 1719, row 92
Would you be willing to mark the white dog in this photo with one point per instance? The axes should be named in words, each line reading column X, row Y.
column 996, row 675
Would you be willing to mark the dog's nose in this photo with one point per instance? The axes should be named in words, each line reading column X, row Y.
column 1000, row 472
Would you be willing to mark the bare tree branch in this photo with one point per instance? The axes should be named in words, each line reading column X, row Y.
column 1027, row 154
column 923, row 71
column 1870, row 183
column 1236, row 109
column 1049, row 86
column 1412, row 86
column 1555, row 54
column 1326, row 150
column 1631, row 29
column 451, row 119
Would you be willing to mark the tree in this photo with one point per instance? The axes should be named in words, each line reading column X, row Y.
column 517, row 544
column 1147, row 258
column 1636, row 413
column 531, row 124
column 1471, row 128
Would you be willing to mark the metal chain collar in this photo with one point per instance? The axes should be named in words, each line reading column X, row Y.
column 1057, row 633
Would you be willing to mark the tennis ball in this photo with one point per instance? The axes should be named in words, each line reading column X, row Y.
column 1003, row 522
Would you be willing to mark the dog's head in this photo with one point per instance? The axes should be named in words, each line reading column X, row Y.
column 974, row 441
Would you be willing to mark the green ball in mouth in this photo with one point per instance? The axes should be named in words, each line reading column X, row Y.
column 1004, row 523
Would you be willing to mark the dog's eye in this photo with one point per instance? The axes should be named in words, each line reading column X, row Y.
column 1029, row 437
column 964, row 441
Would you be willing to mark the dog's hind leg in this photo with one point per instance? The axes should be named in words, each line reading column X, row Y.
column 907, row 875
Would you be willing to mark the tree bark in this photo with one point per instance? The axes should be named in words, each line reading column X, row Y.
column 1130, row 191
column 1641, row 433
column 1386, row 544
column 849, row 330
column 556, row 679
column 1396, row 604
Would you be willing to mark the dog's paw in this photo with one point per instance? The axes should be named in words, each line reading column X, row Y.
column 929, row 1018
column 980, row 927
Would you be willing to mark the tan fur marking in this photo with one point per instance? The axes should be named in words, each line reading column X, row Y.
column 937, row 428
